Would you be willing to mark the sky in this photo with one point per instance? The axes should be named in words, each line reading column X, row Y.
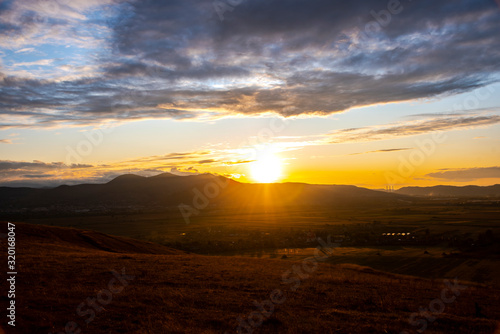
column 370, row 93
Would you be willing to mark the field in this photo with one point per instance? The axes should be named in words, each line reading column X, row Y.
column 444, row 244
column 66, row 277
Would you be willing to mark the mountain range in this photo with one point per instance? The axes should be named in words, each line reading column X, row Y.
column 200, row 191
column 452, row 191
column 195, row 190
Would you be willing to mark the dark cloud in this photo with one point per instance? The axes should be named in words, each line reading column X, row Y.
column 6, row 165
column 76, row 166
column 18, row 170
column 201, row 72
column 37, row 176
column 177, row 59
column 26, row 173
column 467, row 174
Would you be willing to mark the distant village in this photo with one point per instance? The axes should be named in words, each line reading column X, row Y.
column 223, row 239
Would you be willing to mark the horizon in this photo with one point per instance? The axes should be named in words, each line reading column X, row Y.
column 313, row 92
column 108, row 179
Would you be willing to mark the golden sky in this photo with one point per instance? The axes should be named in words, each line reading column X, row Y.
column 324, row 92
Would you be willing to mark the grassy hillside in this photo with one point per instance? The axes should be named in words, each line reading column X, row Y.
column 174, row 292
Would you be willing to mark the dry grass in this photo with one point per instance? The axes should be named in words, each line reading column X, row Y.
column 183, row 293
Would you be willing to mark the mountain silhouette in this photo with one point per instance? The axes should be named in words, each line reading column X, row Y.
column 171, row 190
column 452, row 191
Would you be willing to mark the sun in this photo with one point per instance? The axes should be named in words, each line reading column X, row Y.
column 266, row 169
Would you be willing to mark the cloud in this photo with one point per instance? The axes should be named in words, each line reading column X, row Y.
column 81, row 166
column 412, row 128
column 206, row 161
column 25, row 50
column 26, row 23
column 384, row 151
column 37, row 176
column 238, row 162
column 184, row 172
column 41, row 62
column 42, row 174
column 467, row 174
column 20, row 170
column 7, row 165
column 56, row 173
column 184, row 157
column 176, row 59
column 5, row 141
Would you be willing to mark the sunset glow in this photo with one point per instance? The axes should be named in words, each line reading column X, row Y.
column 188, row 90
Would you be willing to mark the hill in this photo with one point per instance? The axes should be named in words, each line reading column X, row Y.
column 71, row 239
column 452, row 191
column 66, row 283
column 168, row 190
